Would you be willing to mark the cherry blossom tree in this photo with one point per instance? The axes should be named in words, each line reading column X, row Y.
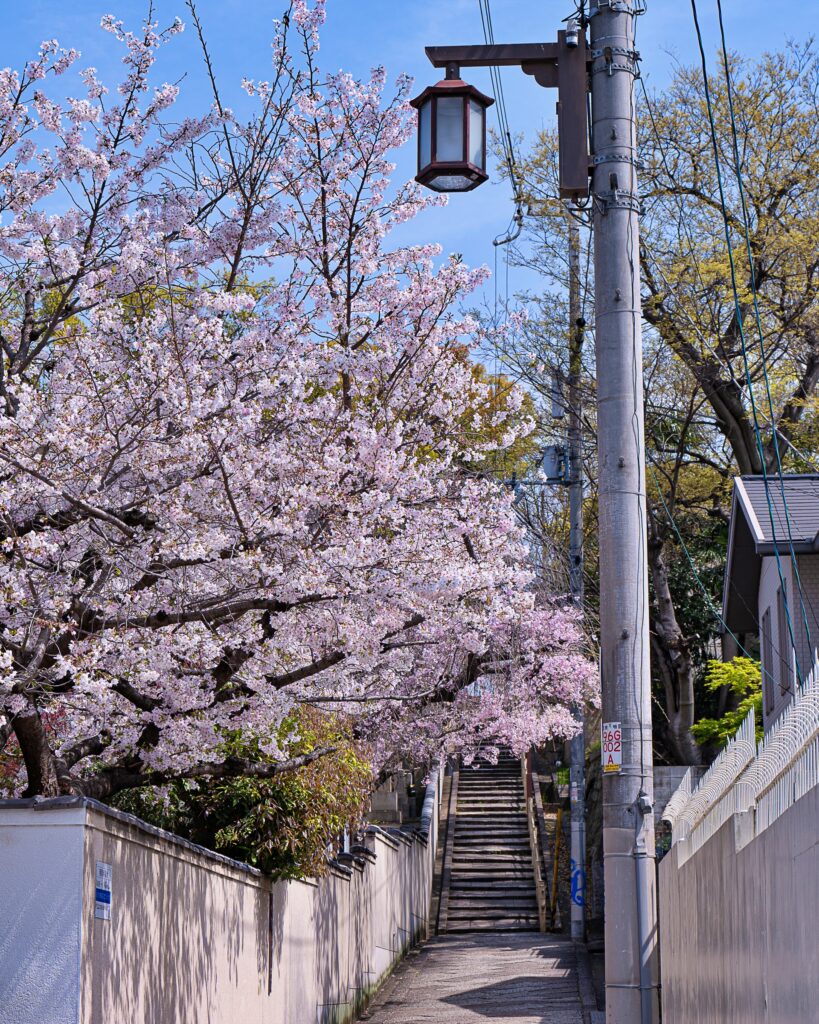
column 239, row 435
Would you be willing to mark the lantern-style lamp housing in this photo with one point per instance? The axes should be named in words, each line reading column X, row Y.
column 451, row 134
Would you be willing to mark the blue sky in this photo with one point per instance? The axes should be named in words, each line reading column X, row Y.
column 362, row 33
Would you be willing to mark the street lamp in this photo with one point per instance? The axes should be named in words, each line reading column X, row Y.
column 452, row 114
column 451, row 134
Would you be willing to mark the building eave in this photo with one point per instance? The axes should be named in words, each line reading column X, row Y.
column 743, row 566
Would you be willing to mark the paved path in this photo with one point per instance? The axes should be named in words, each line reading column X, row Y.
column 482, row 978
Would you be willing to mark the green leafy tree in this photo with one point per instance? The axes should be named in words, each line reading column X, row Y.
column 283, row 825
column 743, row 678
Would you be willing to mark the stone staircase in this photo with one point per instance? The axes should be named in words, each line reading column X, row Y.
column 488, row 879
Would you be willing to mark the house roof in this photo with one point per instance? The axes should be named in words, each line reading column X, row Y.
column 753, row 535
column 802, row 497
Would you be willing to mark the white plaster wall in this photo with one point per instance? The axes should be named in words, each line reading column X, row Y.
column 193, row 938
column 335, row 940
column 41, row 870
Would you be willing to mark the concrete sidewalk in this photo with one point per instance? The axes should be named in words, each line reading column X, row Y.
column 481, row 978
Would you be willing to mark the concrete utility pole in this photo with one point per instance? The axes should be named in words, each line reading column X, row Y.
column 628, row 827
column 574, row 452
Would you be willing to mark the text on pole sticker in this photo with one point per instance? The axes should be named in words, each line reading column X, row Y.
column 102, row 898
column 611, row 747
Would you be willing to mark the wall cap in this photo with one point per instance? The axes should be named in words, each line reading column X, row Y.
column 58, row 803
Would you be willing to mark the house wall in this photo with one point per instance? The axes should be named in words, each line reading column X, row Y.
column 809, row 574
column 738, row 923
column 194, row 937
column 808, row 566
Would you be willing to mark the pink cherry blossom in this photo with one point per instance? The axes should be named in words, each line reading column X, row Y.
column 236, row 437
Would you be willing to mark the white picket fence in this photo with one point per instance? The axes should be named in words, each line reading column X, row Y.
column 767, row 778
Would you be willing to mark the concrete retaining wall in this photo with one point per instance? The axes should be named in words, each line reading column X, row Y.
column 193, row 937
column 739, row 923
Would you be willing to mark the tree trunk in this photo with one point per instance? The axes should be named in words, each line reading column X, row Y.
column 673, row 656
column 41, row 768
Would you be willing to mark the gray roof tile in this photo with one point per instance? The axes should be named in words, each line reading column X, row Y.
column 802, row 497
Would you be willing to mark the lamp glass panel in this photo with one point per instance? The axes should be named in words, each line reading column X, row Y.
column 452, row 182
column 450, row 128
column 425, row 134
column 476, row 116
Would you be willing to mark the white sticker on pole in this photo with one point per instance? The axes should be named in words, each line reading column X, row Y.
column 102, row 899
column 611, row 754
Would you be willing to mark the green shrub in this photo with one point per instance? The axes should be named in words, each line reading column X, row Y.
column 744, row 677
column 282, row 825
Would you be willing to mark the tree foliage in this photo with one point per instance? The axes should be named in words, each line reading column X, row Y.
column 689, row 300
column 743, row 677
column 284, row 825
column 700, row 427
column 236, row 475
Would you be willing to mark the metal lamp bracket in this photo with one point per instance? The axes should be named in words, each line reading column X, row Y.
column 611, row 66
column 619, row 51
column 619, row 199
column 618, row 158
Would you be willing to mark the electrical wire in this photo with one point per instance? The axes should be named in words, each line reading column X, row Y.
column 664, row 158
column 638, row 431
column 799, row 454
column 698, row 579
column 709, row 600
column 500, row 102
column 760, row 332
column 692, row 249
column 741, row 329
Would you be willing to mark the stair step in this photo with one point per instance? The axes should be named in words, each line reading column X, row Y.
column 491, row 908
column 505, row 771
column 490, row 781
column 492, row 855
column 519, row 831
column 491, row 883
column 501, row 817
column 493, row 862
column 494, row 900
column 488, row 823
column 493, row 897
column 473, row 792
column 476, row 854
column 499, row 803
column 478, row 842
column 491, row 879
column 476, row 783
column 501, row 828
column 496, row 926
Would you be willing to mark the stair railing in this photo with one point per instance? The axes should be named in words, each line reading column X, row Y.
column 531, row 790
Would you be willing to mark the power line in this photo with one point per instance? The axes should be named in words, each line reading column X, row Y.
column 741, row 329
column 760, row 333
column 500, row 101
column 709, row 600
column 692, row 248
